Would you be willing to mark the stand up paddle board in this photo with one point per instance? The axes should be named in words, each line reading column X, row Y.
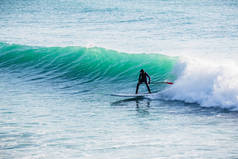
column 132, row 95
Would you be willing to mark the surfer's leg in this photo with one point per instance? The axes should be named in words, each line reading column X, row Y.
column 148, row 88
column 137, row 87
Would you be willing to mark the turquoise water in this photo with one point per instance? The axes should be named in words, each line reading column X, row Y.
column 61, row 60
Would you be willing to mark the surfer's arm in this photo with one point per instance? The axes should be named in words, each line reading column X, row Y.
column 148, row 77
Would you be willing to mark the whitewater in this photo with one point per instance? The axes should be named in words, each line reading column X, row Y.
column 61, row 61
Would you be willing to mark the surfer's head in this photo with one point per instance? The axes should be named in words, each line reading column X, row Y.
column 141, row 70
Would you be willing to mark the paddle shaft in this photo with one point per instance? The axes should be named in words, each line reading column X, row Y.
column 162, row 82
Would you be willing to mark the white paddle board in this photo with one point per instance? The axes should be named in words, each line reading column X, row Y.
column 132, row 95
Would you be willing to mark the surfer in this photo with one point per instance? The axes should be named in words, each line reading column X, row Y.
column 143, row 79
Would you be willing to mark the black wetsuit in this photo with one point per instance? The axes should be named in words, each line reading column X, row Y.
column 143, row 79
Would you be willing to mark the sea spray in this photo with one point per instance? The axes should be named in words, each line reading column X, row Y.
column 208, row 83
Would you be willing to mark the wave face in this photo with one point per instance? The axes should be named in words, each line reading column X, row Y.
column 82, row 65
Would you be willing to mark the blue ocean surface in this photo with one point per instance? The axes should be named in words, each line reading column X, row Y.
column 63, row 62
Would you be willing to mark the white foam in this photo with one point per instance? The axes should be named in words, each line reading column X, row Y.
column 210, row 83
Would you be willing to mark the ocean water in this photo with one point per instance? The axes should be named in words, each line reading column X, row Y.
column 61, row 61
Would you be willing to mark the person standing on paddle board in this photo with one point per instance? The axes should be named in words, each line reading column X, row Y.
column 143, row 79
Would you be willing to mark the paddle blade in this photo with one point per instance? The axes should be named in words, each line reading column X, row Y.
column 169, row 82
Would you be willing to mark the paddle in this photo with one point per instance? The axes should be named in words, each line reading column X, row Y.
column 162, row 82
